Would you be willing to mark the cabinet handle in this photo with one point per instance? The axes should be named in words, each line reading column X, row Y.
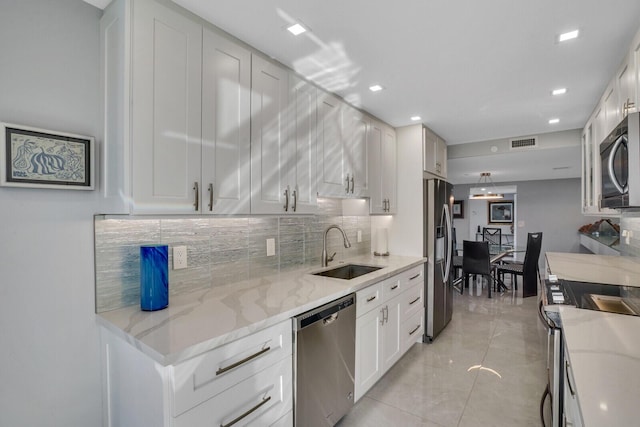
column 394, row 287
column 295, row 200
column 371, row 298
column 384, row 205
column 385, row 314
column 286, row 199
column 210, row 197
column 566, row 371
column 197, row 202
column 243, row 361
column 437, row 167
column 249, row 412
column 347, row 189
column 414, row 301
column 352, row 184
column 415, row 277
column 414, row 330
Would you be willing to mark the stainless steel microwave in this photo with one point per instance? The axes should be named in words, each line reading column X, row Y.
column 620, row 165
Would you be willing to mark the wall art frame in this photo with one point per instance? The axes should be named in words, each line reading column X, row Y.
column 458, row 209
column 38, row 158
column 501, row 212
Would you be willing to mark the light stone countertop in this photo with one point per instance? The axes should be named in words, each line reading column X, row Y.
column 604, row 354
column 614, row 270
column 203, row 320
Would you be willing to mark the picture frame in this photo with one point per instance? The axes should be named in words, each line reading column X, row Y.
column 501, row 212
column 458, row 209
column 38, row 158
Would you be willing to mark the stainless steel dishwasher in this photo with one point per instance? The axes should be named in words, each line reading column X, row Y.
column 324, row 363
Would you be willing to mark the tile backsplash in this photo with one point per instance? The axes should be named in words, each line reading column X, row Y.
column 220, row 250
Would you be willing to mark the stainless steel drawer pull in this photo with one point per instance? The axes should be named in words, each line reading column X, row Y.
column 210, row 197
column 394, row 287
column 196, row 204
column 371, row 298
column 414, row 301
column 243, row 361
column 415, row 277
column 249, row 412
column 414, row 330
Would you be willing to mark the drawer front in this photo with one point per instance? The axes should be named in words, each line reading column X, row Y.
column 368, row 299
column 412, row 300
column 392, row 287
column 207, row 375
column 411, row 276
column 411, row 331
column 261, row 400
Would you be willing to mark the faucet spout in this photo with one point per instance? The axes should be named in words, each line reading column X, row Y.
column 347, row 244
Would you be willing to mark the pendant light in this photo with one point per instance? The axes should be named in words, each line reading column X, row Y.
column 485, row 189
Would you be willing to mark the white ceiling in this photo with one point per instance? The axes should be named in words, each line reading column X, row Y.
column 473, row 70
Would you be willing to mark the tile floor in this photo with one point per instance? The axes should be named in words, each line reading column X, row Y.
column 487, row 368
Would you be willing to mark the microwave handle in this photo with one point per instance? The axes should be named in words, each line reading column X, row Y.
column 612, row 174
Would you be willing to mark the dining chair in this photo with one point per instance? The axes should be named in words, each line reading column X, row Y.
column 493, row 235
column 527, row 269
column 456, row 259
column 476, row 260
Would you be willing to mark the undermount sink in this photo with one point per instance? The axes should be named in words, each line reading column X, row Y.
column 347, row 271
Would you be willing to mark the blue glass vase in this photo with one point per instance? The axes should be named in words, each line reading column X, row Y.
column 154, row 277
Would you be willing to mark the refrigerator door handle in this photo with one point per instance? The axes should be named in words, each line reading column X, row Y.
column 447, row 220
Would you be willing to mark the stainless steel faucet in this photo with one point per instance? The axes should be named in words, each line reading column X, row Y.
column 325, row 257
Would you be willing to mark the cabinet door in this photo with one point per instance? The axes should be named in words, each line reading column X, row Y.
column 303, row 145
column 269, row 162
column 441, row 157
column 611, row 111
column 391, row 344
column 627, row 86
column 368, row 351
column 376, row 174
column 587, row 169
column 355, row 143
column 429, row 141
column 331, row 179
column 226, row 80
column 166, row 112
column 389, row 169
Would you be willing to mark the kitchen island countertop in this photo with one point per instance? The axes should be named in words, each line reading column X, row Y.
column 615, row 270
column 604, row 354
column 202, row 320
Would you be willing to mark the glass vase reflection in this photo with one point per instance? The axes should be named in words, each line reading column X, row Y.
column 154, row 277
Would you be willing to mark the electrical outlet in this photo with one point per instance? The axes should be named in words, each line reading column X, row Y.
column 179, row 257
column 271, row 247
column 359, row 236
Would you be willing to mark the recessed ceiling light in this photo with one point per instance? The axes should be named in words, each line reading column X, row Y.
column 375, row 88
column 296, row 29
column 568, row 36
column 554, row 121
column 559, row 91
column 416, row 118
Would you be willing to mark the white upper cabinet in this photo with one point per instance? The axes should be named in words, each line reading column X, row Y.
column 176, row 108
column 302, row 150
column 226, row 83
column 434, row 153
column 166, row 110
column 356, row 127
column 270, row 190
column 627, row 86
column 382, row 156
column 331, row 177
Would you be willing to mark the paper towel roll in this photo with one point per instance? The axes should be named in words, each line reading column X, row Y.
column 382, row 242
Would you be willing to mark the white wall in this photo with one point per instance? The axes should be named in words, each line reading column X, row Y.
column 550, row 206
column 49, row 357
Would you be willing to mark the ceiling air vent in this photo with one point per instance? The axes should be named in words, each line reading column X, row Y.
column 523, row 143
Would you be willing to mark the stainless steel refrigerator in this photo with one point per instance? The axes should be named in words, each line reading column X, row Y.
column 438, row 248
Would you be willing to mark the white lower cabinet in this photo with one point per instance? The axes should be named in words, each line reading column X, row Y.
column 571, row 409
column 248, row 381
column 389, row 319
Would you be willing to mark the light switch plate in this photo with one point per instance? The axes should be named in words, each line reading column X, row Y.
column 179, row 257
column 271, row 247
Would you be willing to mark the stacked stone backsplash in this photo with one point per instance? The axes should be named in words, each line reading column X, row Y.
column 220, row 250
